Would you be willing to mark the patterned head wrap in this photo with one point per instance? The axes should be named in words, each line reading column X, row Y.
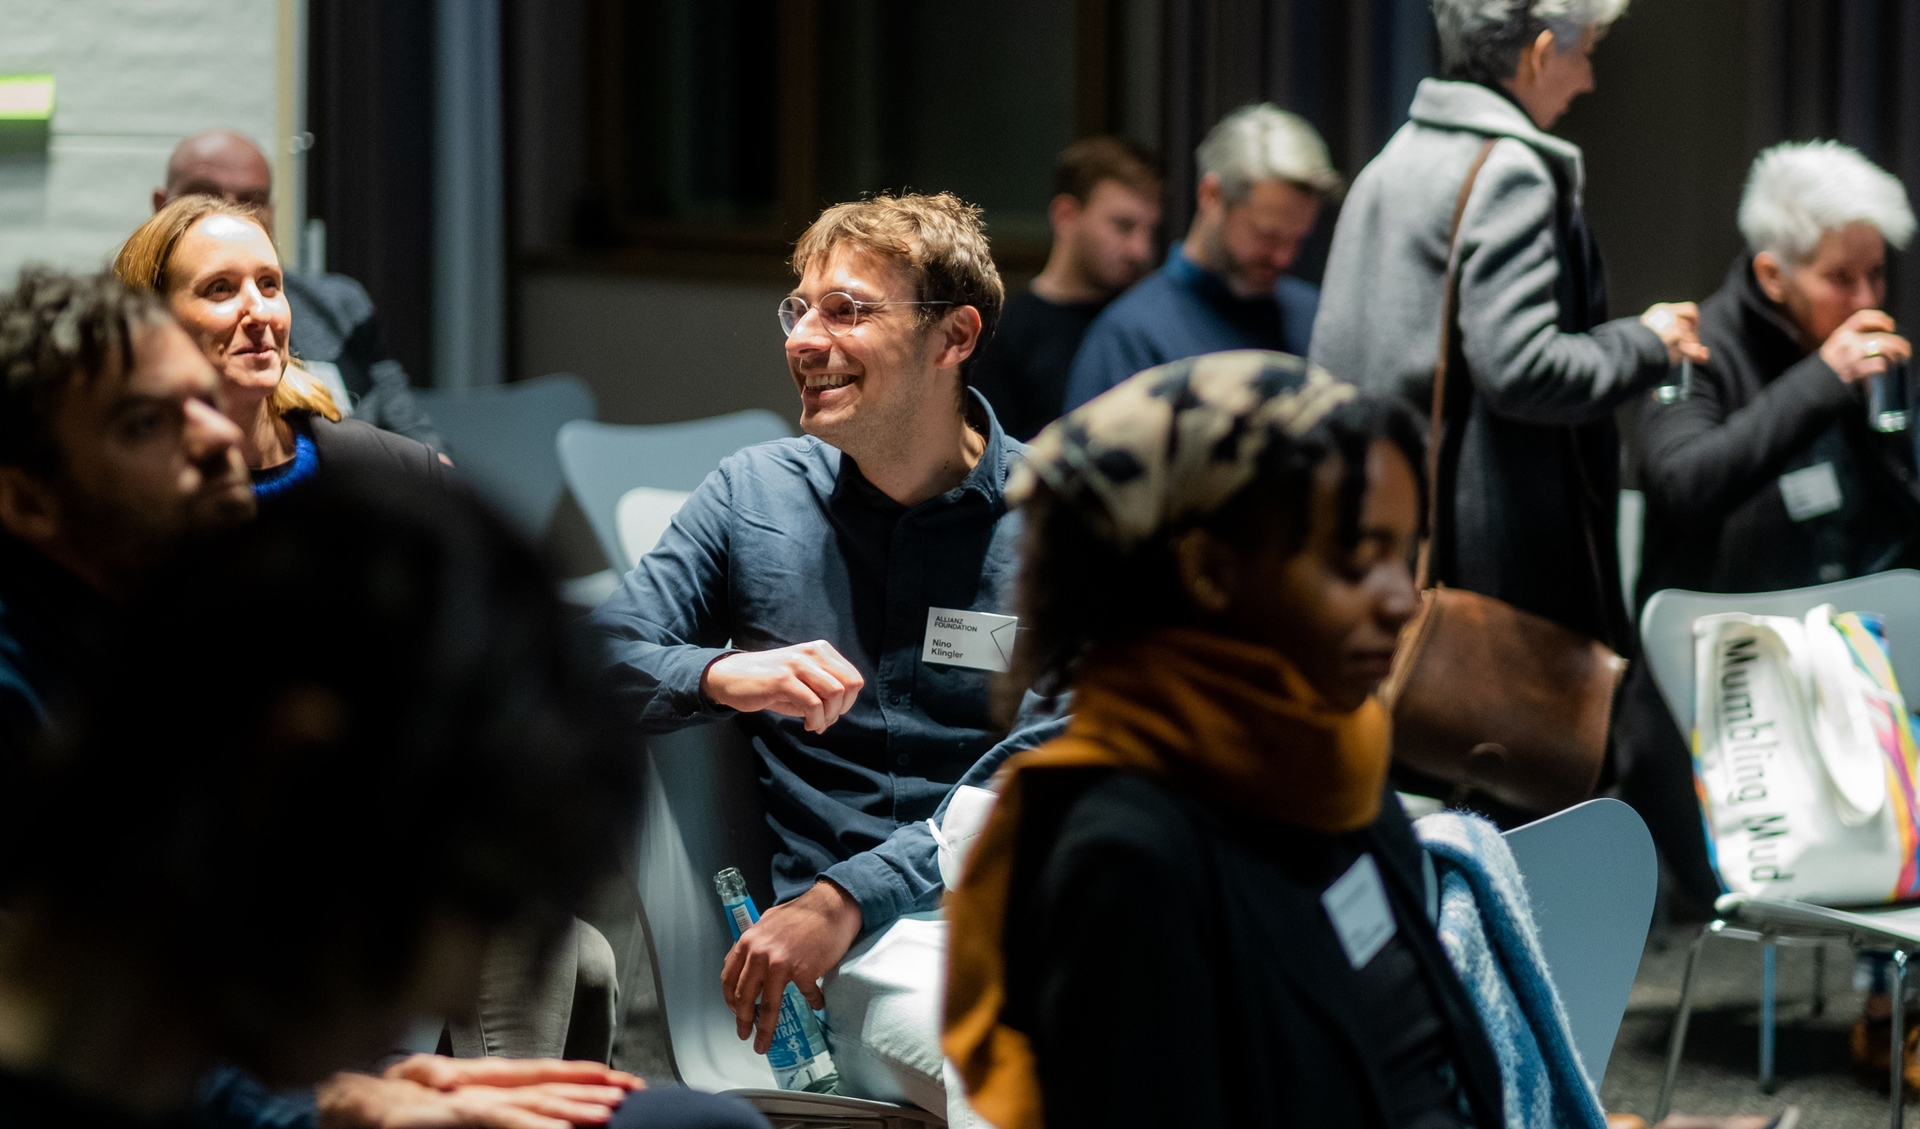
column 1177, row 441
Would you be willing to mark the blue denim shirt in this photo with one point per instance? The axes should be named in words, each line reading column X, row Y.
column 785, row 543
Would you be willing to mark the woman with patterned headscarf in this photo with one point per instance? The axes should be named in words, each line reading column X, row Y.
column 1202, row 906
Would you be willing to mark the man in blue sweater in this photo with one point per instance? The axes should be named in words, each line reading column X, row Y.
column 1263, row 175
column 844, row 599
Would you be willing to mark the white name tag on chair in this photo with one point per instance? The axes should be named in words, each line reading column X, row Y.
column 1810, row 492
column 981, row 640
column 1357, row 905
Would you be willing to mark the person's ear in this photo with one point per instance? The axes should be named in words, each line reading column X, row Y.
column 1064, row 211
column 959, row 336
column 1210, row 198
column 28, row 509
column 1771, row 274
column 1533, row 60
column 1208, row 571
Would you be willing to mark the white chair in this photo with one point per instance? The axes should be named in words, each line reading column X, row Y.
column 603, row 462
column 1666, row 635
column 703, row 813
column 1592, row 920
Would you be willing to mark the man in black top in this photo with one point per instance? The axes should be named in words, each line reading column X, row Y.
column 1766, row 474
column 334, row 328
column 112, row 448
column 1104, row 212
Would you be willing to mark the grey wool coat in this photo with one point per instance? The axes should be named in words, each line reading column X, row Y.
column 1530, row 456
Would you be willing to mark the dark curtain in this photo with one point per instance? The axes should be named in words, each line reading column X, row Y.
column 370, row 172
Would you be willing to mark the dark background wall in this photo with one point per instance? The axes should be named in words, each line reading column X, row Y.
column 1689, row 91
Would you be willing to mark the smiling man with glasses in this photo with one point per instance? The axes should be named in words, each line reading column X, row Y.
column 845, row 599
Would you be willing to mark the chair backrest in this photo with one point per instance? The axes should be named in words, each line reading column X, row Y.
column 703, row 814
column 1666, row 627
column 501, row 440
column 602, row 461
column 1591, row 874
column 641, row 516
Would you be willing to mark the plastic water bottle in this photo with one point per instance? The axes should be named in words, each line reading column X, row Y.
column 799, row 1052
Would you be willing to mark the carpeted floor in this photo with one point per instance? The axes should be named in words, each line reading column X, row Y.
column 1718, row 1074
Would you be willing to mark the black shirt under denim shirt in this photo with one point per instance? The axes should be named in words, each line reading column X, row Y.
column 787, row 542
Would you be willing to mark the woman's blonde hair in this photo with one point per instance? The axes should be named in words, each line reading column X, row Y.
column 147, row 254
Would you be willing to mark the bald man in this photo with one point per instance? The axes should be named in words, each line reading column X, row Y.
column 333, row 319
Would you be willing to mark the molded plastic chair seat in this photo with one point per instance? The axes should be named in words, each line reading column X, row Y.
column 1666, row 635
column 704, row 813
column 501, row 439
column 603, row 461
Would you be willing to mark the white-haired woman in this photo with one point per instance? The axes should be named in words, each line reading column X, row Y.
column 1529, row 475
column 1767, row 475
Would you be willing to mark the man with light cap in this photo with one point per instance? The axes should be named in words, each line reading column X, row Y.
column 334, row 327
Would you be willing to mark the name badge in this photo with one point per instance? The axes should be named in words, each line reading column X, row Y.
column 1357, row 905
column 980, row 640
column 1810, row 492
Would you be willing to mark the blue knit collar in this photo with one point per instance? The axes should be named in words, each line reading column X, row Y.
column 278, row 480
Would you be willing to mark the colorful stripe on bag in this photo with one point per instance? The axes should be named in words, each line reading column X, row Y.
column 1865, row 635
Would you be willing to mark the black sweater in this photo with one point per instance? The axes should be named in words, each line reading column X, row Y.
column 1173, row 965
column 1711, row 464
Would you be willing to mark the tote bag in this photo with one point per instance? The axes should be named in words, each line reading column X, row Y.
column 1804, row 758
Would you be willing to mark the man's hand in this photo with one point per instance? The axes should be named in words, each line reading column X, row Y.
column 797, row 942
column 443, row 1073
column 807, row 680
column 1678, row 324
column 1864, row 347
column 528, row 1095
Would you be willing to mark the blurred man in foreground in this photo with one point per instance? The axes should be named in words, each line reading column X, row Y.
column 1105, row 208
column 114, row 452
column 334, row 328
column 1264, row 174
column 176, row 890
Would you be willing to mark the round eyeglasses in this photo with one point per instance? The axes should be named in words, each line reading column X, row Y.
column 839, row 312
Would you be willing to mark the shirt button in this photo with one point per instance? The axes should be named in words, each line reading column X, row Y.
column 901, row 759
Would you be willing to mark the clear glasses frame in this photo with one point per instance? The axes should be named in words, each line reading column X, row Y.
column 839, row 311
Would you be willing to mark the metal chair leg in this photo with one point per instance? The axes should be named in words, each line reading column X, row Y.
column 1897, row 1058
column 1819, row 980
column 1677, row 1041
column 1768, row 951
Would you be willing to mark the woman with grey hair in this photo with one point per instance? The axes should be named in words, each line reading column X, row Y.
column 1529, row 459
column 1768, row 474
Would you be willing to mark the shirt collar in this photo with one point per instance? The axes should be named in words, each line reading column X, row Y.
column 988, row 478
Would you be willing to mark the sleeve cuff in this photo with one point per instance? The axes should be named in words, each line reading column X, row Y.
column 680, row 673
column 881, row 895
column 1820, row 387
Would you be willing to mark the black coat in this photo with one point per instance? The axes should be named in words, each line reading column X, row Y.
column 355, row 447
column 1711, row 464
column 1172, row 964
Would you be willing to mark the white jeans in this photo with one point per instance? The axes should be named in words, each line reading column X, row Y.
column 883, row 1019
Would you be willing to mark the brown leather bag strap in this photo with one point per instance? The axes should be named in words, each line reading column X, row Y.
column 1448, row 309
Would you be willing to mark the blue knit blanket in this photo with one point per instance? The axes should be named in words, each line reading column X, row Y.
column 1486, row 928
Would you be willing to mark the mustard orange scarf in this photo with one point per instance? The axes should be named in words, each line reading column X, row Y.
column 1232, row 721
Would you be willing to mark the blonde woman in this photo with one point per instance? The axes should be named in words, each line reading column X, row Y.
column 215, row 266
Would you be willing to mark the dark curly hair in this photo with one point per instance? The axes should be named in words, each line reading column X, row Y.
column 428, row 743
column 56, row 328
column 1073, row 582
